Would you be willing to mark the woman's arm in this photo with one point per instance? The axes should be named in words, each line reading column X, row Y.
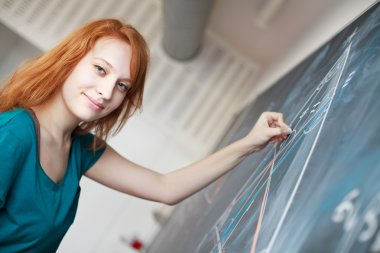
column 121, row 174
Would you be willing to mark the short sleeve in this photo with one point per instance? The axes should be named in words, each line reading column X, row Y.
column 12, row 156
column 88, row 155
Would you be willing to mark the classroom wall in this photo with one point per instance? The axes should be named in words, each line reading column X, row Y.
column 13, row 51
column 337, row 15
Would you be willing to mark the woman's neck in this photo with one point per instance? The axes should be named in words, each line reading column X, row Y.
column 56, row 120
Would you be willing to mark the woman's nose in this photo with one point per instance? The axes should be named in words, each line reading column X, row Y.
column 105, row 89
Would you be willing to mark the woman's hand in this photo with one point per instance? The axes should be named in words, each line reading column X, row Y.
column 270, row 127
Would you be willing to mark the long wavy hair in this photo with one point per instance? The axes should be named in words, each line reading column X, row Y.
column 36, row 80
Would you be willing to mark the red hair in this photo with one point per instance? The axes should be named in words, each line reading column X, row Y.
column 35, row 81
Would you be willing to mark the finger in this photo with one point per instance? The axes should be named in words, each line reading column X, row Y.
column 276, row 119
column 285, row 129
column 280, row 123
column 274, row 116
column 271, row 132
column 279, row 138
column 272, row 124
column 276, row 139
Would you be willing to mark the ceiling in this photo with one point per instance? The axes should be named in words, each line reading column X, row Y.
column 264, row 29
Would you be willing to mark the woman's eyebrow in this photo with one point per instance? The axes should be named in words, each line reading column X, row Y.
column 106, row 62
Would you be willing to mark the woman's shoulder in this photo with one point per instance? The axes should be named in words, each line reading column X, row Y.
column 18, row 122
column 14, row 116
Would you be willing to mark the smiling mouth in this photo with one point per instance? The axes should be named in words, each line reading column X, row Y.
column 94, row 103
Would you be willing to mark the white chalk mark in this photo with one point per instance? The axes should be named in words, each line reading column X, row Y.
column 218, row 239
column 347, row 82
column 290, row 201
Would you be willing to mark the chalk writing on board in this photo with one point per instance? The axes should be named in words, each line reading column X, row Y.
column 366, row 226
column 310, row 116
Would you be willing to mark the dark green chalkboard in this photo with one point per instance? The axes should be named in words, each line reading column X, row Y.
column 318, row 191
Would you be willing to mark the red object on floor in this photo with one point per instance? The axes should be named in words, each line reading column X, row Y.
column 136, row 244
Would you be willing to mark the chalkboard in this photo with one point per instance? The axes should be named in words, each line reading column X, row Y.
column 319, row 190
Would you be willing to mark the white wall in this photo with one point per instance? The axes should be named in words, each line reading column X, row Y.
column 13, row 51
column 339, row 14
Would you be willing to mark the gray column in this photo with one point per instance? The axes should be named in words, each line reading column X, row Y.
column 184, row 25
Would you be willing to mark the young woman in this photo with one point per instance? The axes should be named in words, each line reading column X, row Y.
column 92, row 81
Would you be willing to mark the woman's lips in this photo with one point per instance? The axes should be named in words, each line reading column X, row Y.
column 94, row 103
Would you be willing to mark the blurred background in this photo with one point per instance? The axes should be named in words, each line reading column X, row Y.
column 208, row 60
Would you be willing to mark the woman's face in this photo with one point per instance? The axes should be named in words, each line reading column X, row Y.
column 100, row 81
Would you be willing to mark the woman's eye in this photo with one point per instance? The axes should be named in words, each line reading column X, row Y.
column 100, row 70
column 123, row 86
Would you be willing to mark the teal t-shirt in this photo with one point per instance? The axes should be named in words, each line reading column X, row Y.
column 36, row 212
